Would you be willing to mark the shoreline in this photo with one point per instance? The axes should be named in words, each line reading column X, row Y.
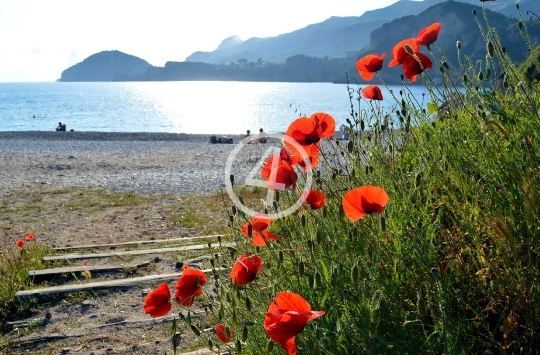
column 112, row 136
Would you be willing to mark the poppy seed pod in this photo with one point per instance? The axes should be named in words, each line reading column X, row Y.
column 491, row 49
column 195, row 330
column 422, row 304
column 354, row 274
column 458, row 45
column 270, row 346
column 408, row 49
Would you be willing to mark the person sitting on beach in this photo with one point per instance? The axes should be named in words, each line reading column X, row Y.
column 263, row 137
column 59, row 128
column 64, row 128
column 248, row 136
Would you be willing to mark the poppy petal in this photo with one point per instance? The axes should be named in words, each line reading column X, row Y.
column 316, row 199
column 372, row 92
column 221, row 333
column 415, row 65
column 368, row 65
column 428, row 35
column 399, row 53
column 157, row 303
column 363, row 200
column 245, row 269
column 326, row 123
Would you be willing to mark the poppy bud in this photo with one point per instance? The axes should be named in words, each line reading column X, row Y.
column 465, row 79
column 383, row 224
column 491, row 49
column 409, row 49
column 248, row 304
column 418, row 180
column 188, row 319
column 210, row 345
column 458, row 45
column 276, row 205
column 270, row 346
column 435, row 273
column 280, row 255
column 196, row 330
column 303, row 220
column 212, row 263
column 233, row 318
column 422, row 307
column 238, row 346
column 504, row 50
column 362, row 126
column 233, row 208
column 520, row 25
column 210, row 306
column 232, row 179
column 301, row 268
column 277, row 196
column 474, row 12
column 517, row 6
column 354, row 274
column 182, row 317
column 310, row 244
column 317, row 280
column 480, row 76
column 244, row 333
column 375, row 314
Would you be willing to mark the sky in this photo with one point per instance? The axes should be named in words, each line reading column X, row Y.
column 41, row 38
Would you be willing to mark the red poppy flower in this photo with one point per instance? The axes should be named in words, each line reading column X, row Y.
column 189, row 286
column 399, row 53
column 221, row 333
column 286, row 317
column 259, row 223
column 370, row 64
column 281, row 177
column 372, row 92
column 326, row 122
column 364, row 200
column 20, row 243
column 412, row 67
column 29, row 237
column 245, row 269
column 158, row 302
column 428, row 35
column 316, row 199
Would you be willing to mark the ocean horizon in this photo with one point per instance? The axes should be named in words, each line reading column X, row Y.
column 192, row 107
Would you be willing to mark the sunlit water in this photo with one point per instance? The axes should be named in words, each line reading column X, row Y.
column 178, row 107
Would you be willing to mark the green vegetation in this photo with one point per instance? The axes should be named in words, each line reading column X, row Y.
column 451, row 265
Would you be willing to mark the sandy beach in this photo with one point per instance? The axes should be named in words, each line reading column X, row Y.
column 136, row 162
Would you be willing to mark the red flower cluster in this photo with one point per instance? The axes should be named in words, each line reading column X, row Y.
column 404, row 53
column 259, row 223
column 286, row 317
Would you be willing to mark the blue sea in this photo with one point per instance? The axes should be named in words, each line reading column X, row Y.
column 205, row 107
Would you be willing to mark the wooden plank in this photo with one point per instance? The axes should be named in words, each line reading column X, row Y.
column 124, row 253
column 70, row 269
column 122, row 283
column 138, row 242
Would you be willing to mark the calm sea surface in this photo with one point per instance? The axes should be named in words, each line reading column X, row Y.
column 179, row 107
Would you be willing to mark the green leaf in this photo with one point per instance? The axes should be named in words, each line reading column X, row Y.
column 431, row 108
column 325, row 271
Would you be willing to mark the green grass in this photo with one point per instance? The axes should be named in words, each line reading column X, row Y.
column 452, row 265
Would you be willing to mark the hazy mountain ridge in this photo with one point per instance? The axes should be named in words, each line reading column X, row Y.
column 337, row 35
column 457, row 24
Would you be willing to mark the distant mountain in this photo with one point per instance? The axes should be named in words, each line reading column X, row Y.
column 106, row 66
column 337, row 36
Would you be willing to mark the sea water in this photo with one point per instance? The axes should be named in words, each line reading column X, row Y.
column 205, row 107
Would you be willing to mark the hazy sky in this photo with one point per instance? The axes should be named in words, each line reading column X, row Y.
column 40, row 38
